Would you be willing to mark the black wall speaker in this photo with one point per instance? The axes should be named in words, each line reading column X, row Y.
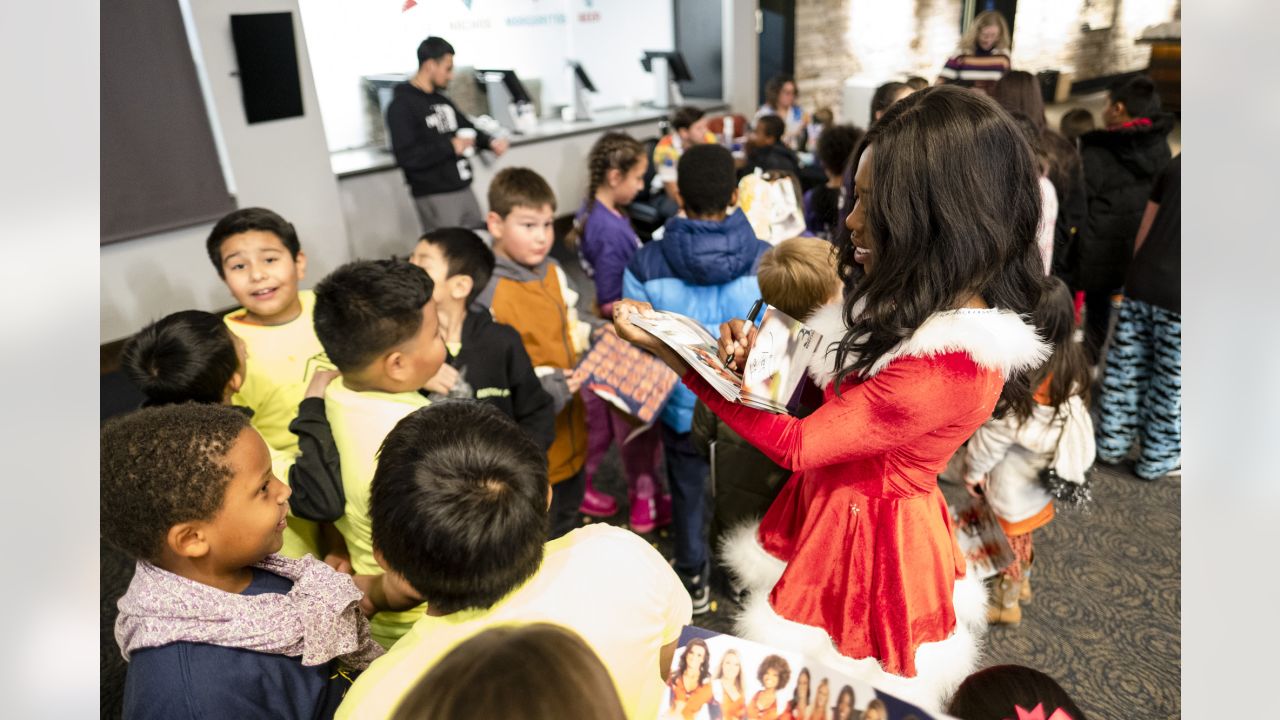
column 268, row 61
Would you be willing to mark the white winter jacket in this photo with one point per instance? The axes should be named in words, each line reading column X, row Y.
column 1014, row 454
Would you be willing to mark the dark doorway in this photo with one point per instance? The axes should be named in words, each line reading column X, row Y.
column 777, row 37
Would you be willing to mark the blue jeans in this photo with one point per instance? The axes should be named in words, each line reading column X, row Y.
column 687, row 475
column 1142, row 390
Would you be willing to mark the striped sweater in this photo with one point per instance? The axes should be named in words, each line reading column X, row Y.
column 978, row 69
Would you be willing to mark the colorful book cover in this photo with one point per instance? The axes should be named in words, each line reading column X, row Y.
column 722, row 677
column 635, row 382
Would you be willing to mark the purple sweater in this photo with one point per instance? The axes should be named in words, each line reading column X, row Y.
column 607, row 246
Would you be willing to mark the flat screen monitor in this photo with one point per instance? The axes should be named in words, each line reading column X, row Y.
column 582, row 76
column 512, row 83
column 675, row 61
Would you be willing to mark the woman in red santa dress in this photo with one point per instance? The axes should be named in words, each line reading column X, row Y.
column 856, row 564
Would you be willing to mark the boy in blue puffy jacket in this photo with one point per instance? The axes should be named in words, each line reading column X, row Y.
column 703, row 267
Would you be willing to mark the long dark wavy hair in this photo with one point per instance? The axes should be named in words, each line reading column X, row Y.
column 953, row 211
column 1019, row 92
column 704, row 672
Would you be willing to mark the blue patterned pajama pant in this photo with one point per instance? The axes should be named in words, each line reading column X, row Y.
column 1142, row 390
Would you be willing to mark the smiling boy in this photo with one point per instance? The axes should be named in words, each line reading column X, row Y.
column 257, row 254
column 214, row 623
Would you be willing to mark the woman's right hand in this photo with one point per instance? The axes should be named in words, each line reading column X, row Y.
column 736, row 337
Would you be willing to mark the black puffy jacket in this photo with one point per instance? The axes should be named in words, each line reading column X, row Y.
column 1119, row 169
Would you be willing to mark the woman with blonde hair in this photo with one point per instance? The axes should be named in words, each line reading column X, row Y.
column 728, row 689
column 821, row 696
column 982, row 57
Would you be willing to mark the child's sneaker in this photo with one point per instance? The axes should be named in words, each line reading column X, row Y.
column 699, row 587
column 598, row 505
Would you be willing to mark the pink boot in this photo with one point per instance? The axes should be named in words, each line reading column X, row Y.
column 597, row 504
column 649, row 509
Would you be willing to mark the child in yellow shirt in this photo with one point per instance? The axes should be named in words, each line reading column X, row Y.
column 257, row 254
column 378, row 323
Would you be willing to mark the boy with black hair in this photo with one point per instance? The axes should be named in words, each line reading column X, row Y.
column 703, row 267
column 191, row 356
column 530, row 292
column 378, row 323
column 257, row 254
column 765, row 149
column 822, row 203
column 486, row 360
column 425, row 139
column 688, row 128
column 215, row 623
column 459, row 510
column 1121, row 163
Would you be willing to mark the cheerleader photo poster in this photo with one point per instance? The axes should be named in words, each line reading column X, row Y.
column 714, row 676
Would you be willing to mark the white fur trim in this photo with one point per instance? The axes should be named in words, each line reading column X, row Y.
column 940, row 666
column 995, row 339
column 970, row 601
column 752, row 568
column 827, row 321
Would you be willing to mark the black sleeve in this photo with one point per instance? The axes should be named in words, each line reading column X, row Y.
column 1160, row 186
column 415, row 144
column 316, row 475
column 1071, row 225
column 533, row 407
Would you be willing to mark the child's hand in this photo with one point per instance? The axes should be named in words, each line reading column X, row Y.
column 622, row 310
column 443, row 381
column 573, row 381
column 319, row 381
column 370, row 585
column 339, row 562
column 736, row 337
column 976, row 488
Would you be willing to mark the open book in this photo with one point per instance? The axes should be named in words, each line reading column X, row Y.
column 981, row 538
column 776, row 362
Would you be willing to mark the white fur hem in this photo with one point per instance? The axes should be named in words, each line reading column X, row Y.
column 752, row 568
column 940, row 666
column 995, row 339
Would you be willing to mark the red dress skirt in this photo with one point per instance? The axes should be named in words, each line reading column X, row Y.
column 870, row 552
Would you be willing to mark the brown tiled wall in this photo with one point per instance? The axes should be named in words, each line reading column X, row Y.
column 1048, row 35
